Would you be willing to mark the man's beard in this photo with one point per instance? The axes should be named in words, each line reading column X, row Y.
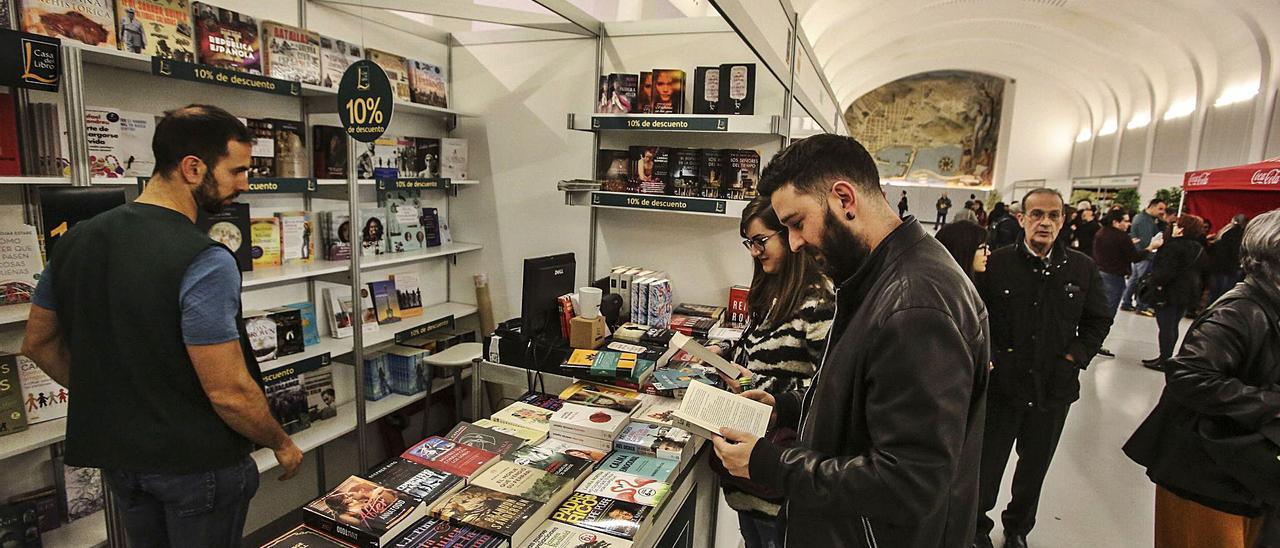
column 842, row 252
column 206, row 195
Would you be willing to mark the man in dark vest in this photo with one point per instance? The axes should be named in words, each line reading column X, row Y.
column 138, row 315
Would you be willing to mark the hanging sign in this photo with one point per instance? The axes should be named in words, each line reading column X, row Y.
column 658, row 203
column 29, row 60
column 365, row 103
column 223, row 77
column 659, row 123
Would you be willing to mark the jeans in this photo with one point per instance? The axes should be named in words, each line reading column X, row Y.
column 1114, row 284
column 202, row 509
column 942, row 218
column 1131, row 290
column 1167, row 319
column 1222, row 282
column 758, row 532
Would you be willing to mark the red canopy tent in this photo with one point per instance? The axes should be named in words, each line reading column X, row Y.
column 1218, row 194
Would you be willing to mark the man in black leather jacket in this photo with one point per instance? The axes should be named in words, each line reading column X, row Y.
column 1049, row 316
column 890, row 432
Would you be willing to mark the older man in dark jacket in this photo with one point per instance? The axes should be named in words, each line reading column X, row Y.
column 1049, row 316
column 890, row 432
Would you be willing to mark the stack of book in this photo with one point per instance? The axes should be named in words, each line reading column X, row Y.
column 660, row 442
column 594, row 427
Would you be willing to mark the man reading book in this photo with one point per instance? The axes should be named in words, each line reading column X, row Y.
column 138, row 314
column 890, row 430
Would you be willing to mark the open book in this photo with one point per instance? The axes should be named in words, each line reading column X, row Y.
column 706, row 409
column 680, row 341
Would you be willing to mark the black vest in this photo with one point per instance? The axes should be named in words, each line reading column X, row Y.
column 136, row 401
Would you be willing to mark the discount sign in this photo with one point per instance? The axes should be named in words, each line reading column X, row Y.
column 365, row 101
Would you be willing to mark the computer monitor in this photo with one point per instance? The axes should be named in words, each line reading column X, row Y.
column 545, row 280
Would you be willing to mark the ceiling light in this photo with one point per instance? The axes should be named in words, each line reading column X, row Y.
column 1085, row 135
column 1139, row 121
column 1181, row 108
column 1237, row 94
column 1107, row 128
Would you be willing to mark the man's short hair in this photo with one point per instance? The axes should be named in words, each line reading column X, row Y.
column 1154, row 201
column 1114, row 216
column 813, row 163
column 202, row 131
column 1043, row 190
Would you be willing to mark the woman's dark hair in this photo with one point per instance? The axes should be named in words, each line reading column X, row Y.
column 793, row 280
column 997, row 211
column 202, row 131
column 962, row 240
column 376, row 225
column 1192, row 226
column 1114, row 216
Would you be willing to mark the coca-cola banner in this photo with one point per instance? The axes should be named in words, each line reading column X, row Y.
column 1248, row 189
column 1260, row 176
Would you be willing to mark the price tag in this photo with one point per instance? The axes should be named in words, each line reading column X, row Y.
column 365, row 102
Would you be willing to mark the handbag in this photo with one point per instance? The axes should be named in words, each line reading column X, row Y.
column 1150, row 292
column 1248, row 457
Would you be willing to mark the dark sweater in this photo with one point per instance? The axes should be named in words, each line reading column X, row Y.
column 1113, row 251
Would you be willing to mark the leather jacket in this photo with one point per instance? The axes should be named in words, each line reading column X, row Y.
column 891, row 427
column 1228, row 366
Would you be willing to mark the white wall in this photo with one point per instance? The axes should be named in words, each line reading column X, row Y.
column 1042, row 134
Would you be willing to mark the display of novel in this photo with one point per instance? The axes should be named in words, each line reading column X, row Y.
column 84, row 495
column 551, row 461
column 329, row 152
column 484, row 438
column 377, row 377
column 650, row 169
column 494, row 511
column 406, row 370
column 290, row 149
column 574, row 449
column 409, row 294
column 626, row 487
column 613, row 169
column 262, row 335
column 601, row 395
column 404, row 220
column 227, row 39
column 264, row 235
column 432, row 532
column 742, row 174
column 310, row 330
column 20, row 264
column 364, row 513
column 640, row 465
column 336, row 226
column 431, row 226
column 397, row 71
column 591, row 422
column 600, row 364
column 684, row 171
column 602, row 514
column 453, row 158
column 706, row 90
column 622, row 89
column 379, row 159
column 373, row 235
column 644, row 94
column 663, row 442
column 428, row 85
column 290, row 338
column 415, row 480
column 158, row 28
column 342, row 312
column 737, row 88
column 529, row 435
column 287, row 399
column 230, row 227
column 13, row 414
column 90, row 22
column 335, row 57
column 119, row 143
column 668, row 91
column 426, row 157
column 450, row 456
column 386, row 303
column 524, row 482
column 554, row 534
column 290, row 53
column 655, row 410
column 523, row 414
column 262, row 155
column 710, row 172
column 45, row 399
column 305, row 537
column 297, row 240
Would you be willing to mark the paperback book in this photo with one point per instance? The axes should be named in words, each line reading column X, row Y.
column 264, row 236
column 119, row 143
column 529, row 435
column 428, row 85
column 13, row 415
column 432, row 532
column 738, row 90
column 601, row 364
column 297, row 241
column 310, row 329
column 20, row 265
column 385, row 302
column 742, row 174
column 644, row 94
column 650, row 169
column 290, row 149
column 329, row 152
column 431, row 226
column 90, row 22
column 525, row 415
column 545, row 401
column 227, row 39
column 591, row 422
column 157, row 28
column 305, row 537
column 409, row 294
column 290, row 338
column 450, row 456
column 668, row 91
column 416, row 480
column 335, row 57
column 613, row 169
column 262, row 157
column 287, row 399
column 684, row 171
column 426, row 157
column 574, row 449
column 291, row 53
column 710, row 172
column 602, row 514
column 622, row 93
column 493, row 511
column 45, row 399
column 397, row 71
column 554, row 534
column 524, row 482
column 231, row 228
column 377, row 377
column 663, row 442
column 706, row 92
column 600, row 395
column 373, row 235
column 336, row 226
column 551, row 462
column 364, row 513
column 342, row 313
column 404, row 220
column 484, row 438
column 453, row 158
column 262, row 335
column 640, row 465
column 626, row 488
column 406, row 369
column 655, row 410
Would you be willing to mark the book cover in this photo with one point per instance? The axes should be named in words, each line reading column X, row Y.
column 262, row 335
column 337, row 241
column 663, row 442
column 738, row 304
column 264, row 236
column 84, row 494
column 432, row 532
column 602, row 514
column 572, row 449
column 524, row 482
column 668, row 91
column 158, row 28
column 660, row 303
column 340, row 312
column 305, row 537
column 700, row 310
column 404, row 220
column 363, row 512
column 545, row 401
column 484, row 438
column 119, row 143
column 290, row 149
column 290, row 53
column 373, row 234
column 297, row 239
column 10, row 153
column 626, row 487
column 90, row 22
column 551, row 462
column 290, row 335
column 408, row 294
column 710, row 172
column 20, row 525
column 329, row 152
column 426, row 159
column 415, row 480
column 554, row 534
column 287, row 399
column 738, row 90
column 650, row 169
column 602, row 95
column 310, row 330
column 655, row 410
column 644, row 94
column 377, row 377
column 13, row 414
column 227, row 39
column 450, row 456
column 262, row 157
column 684, row 171
column 523, row 414
column 453, row 158
column 20, row 264
column 379, row 159
column 397, row 71
column 335, row 56
column 706, row 91
column 369, row 315
column 406, row 369
column 529, row 435
column 622, row 92
column 385, row 302
column 431, row 226
column 603, row 364
column 47, row 505
column 427, row 84
column 592, row 422
column 613, row 169
column 45, row 399
column 742, row 174
column 317, row 381
column 640, row 465
column 231, row 228
column 493, row 511
column 600, row 395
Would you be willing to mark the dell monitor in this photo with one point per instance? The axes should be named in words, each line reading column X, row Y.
column 545, row 280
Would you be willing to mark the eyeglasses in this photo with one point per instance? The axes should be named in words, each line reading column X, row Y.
column 1054, row 215
column 757, row 243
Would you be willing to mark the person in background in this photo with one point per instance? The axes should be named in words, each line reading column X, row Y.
column 1003, row 227
column 1114, row 254
column 979, row 211
column 1049, row 316
column 889, row 432
column 1175, row 269
column 1144, row 227
column 789, row 312
column 1223, row 379
column 903, row 206
column 1087, row 226
column 965, row 215
column 1224, row 257
column 943, row 206
column 1068, row 235
column 168, row 396
column 967, row 243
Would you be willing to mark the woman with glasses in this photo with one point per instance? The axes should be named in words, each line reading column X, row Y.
column 967, row 243
column 790, row 308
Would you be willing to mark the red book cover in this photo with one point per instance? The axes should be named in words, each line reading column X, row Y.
column 566, row 314
column 10, row 162
column 448, row 456
column 738, row 304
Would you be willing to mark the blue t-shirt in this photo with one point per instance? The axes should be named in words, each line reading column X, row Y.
column 210, row 297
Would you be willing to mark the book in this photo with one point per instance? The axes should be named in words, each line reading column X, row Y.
column 404, row 220
column 431, row 226
column 551, row 462
column 738, row 88
column 341, row 313
column 554, row 534
column 613, row 169
column 45, row 399
column 262, row 157
column 373, row 235
column 287, row 399
column 290, row 149
column 710, row 172
column 264, row 236
column 119, row 143
column 700, row 310
column 432, row 532
column 310, row 329
column 405, row 157
column 157, row 28
column 655, row 410
column 20, row 525
column 738, row 311
column 525, row 415
column 600, row 363
column 668, row 91
column 644, row 94
column 317, row 380
column 706, row 90
column 408, row 294
column 90, row 22
column 415, row 480
column 363, row 513
column 640, row 465
column 693, row 326
column 406, row 369
column 262, row 335
column 524, row 482
column 305, row 537
column 335, row 56
column 385, row 302
column 659, row 302
column 453, row 158
column 290, row 53
column 529, row 435
column 602, row 95
column 20, row 264
column 377, row 377
column 426, row 158
column 427, row 84
column 593, row 422
column 397, row 71
column 13, row 414
column 673, row 382
column 742, row 174
column 663, row 442
column 230, row 227
column 336, row 226
column 626, row 488
column 493, row 511
column 622, row 92
column 83, row 491
column 650, row 169
column 705, row 410
column 227, row 39
column 602, row 514
column 47, row 506
column 684, row 171
column 297, row 237
column 599, row 395
column 290, row 337
column 450, row 456
column 594, row 443
column 704, row 355
column 329, row 152
column 10, row 151
column 545, row 401
column 573, row 449
column 480, row 437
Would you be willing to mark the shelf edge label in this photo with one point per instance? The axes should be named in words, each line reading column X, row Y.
column 415, row 183
column 281, row 185
column 660, row 203
column 447, row 322
column 659, row 123
column 181, row 70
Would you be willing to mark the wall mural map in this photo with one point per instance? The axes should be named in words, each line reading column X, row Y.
column 940, row 126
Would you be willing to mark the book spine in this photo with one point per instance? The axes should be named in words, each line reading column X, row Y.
column 347, row 534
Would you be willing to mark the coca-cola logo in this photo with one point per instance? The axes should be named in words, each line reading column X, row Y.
column 1266, row 177
column 1198, row 179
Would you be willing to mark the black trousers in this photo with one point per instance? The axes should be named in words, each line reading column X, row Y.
column 1036, row 431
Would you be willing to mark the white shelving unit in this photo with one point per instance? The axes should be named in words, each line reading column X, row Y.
column 36, row 436
column 315, row 269
column 35, row 180
column 14, row 313
column 87, row 531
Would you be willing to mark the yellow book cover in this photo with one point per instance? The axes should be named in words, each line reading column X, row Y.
column 264, row 233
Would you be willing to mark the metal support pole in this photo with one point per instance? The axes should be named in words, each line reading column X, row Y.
column 458, row 394
column 73, row 101
column 357, row 306
column 789, row 97
column 595, row 159
column 430, row 373
column 321, row 487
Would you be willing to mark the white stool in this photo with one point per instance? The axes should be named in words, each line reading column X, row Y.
column 457, row 358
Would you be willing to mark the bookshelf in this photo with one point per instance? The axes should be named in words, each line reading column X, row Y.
column 90, row 530
column 713, row 124
column 683, row 205
column 289, row 273
column 14, row 313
